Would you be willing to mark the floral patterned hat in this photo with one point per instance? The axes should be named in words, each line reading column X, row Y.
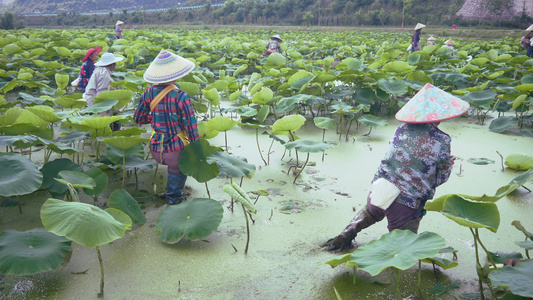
column 167, row 67
column 430, row 105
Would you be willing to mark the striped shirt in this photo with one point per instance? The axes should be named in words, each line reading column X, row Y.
column 418, row 160
column 173, row 114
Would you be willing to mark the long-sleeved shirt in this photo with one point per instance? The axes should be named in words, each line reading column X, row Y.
column 100, row 81
column 274, row 45
column 118, row 32
column 418, row 160
column 415, row 40
column 173, row 114
column 87, row 69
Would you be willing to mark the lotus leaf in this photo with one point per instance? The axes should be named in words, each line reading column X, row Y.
column 123, row 201
column 194, row 219
column 480, row 98
column 24, row 76
column 399, row 67
column 28, row 118
column 117, row 155
column 325, row 123
column 135, row 162
column 413, row 58
column 237, row 193
column 479, row 61
column 120, row 216
column 212, row 95
column 80, row 222
column 33, row 251
column 275, row 60
column 100, row 179
column 231, row 166
column 501, row 124
column 519, row 161
column 123, row 97
column 256, row 87
column 100, row 107
column 44, row 112
column 500, row 257
column 263, row 113
column 221, row 123
column 288, row 124
column 240, row 69
column 124, row 142
column 339, row 260
column 11, row 49
column 420, row 76
column 234, row 95
column 472, row 214
column 480, row 161
column 519, row 279
column 76, row 179
column 393, row 86
column 99, row 122
column 263, row 96
column 308, row 146
column 442, row 262
column 51, row 170
column 528, row 245
column 68, row 102
column 400, row 249
column 206, row 132
column 61, row 80
column 520, row 100
column 193, row 160
column 372, row 121
column 220, row 85
column 18, row 176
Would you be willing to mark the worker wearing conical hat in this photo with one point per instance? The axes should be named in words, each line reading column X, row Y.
column 415, row 40
column 529, row 41
column 418, row 160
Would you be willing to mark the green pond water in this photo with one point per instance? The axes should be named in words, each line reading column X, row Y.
column 284, row 257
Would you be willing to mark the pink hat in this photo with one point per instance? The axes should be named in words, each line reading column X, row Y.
column 430, row 105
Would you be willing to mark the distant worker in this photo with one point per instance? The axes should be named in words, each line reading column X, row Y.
column 118, row 30
column 415, row 41
column 87, row 68
column 454, row 27
column 431, row 41
column 450, row 43
column 101, row 79
column 527, row 41
column 274, row 45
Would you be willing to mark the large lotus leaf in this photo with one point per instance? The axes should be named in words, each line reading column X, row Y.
column 11, row 49
column 123, row 201
column 98, row 122
column 400, row 249
column 246, row 111
column 519, row 279
column 413, row 58
column 399, row 67
column 528, row 245
column 193, row 161
column 288, row 124
column 275, row 60
column 190, row 88
column 472, row 214
column 29, row 118
column 82, row 223
column 100, row 178
column 76, row 179
column 220, row 85
column 301, row 74
column 364, row 95
column 231, row 166
column 519, row 101
column 194, row 219
column 480, row 98
column 123, row 97
column 61, row 80
column 393, row 86
column 308, row 146
column 44, row 112
column 63, row 51
column 420, row 76
column 442, row 262
column 325, row 123
column 18, row 175
column 9, row 140
column 527, row 79
column 134, row 162
column 221, row 123
column 263, row 96
column 237, row 193
column 325, row 78
column 212, row 95
column 68, row 102
column 256, row 87
column 99, row 107
column 301, row 84
column 501, row 124
column 479, row 61
column 124, row 142
column 206, row 132
column 116, row 156
column 120, row 216
column 50, row 171
column 519, row 161
column 372, row 121
column 33, row 251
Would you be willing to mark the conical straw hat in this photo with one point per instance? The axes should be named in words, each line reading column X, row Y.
column 276, row 36
column 419, row 26
column 449, row 42
column 530, row 28
column 168, row 67
column 430, row 105
column 119, row 23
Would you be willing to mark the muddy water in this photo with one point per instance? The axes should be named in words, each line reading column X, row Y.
column 284, row 256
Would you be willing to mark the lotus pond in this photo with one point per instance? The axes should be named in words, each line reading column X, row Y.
column 289, row 146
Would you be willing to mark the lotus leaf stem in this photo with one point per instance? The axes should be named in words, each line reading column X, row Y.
column 259, row 148
column 101, row 294
column 268, row 154
column 323, row 139
column 305, row 164
column 247, row 229
column 482, row 296
column 501, row 158
column 123, row 167
column 207, row 188
column 20, row 205
column 354, row 273
column 398, row 284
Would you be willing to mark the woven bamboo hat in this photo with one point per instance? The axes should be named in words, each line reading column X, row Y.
column 167, row 67
column 431, row 38
column 119, row 23
column 430, row 105
column 91, row 51
column 276, row 36
column 530, row 28
column 419, row 26
column 107, row 59
column 449, row 42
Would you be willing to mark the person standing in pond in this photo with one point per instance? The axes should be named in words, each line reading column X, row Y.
column 529, row 41
column 101, row 78
column 118, row 29
column 418, row 160
column 415, row 40
column 274, row 45
column 170, row 112
column 431, row 41
column 449, row 44
column 87, row 68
